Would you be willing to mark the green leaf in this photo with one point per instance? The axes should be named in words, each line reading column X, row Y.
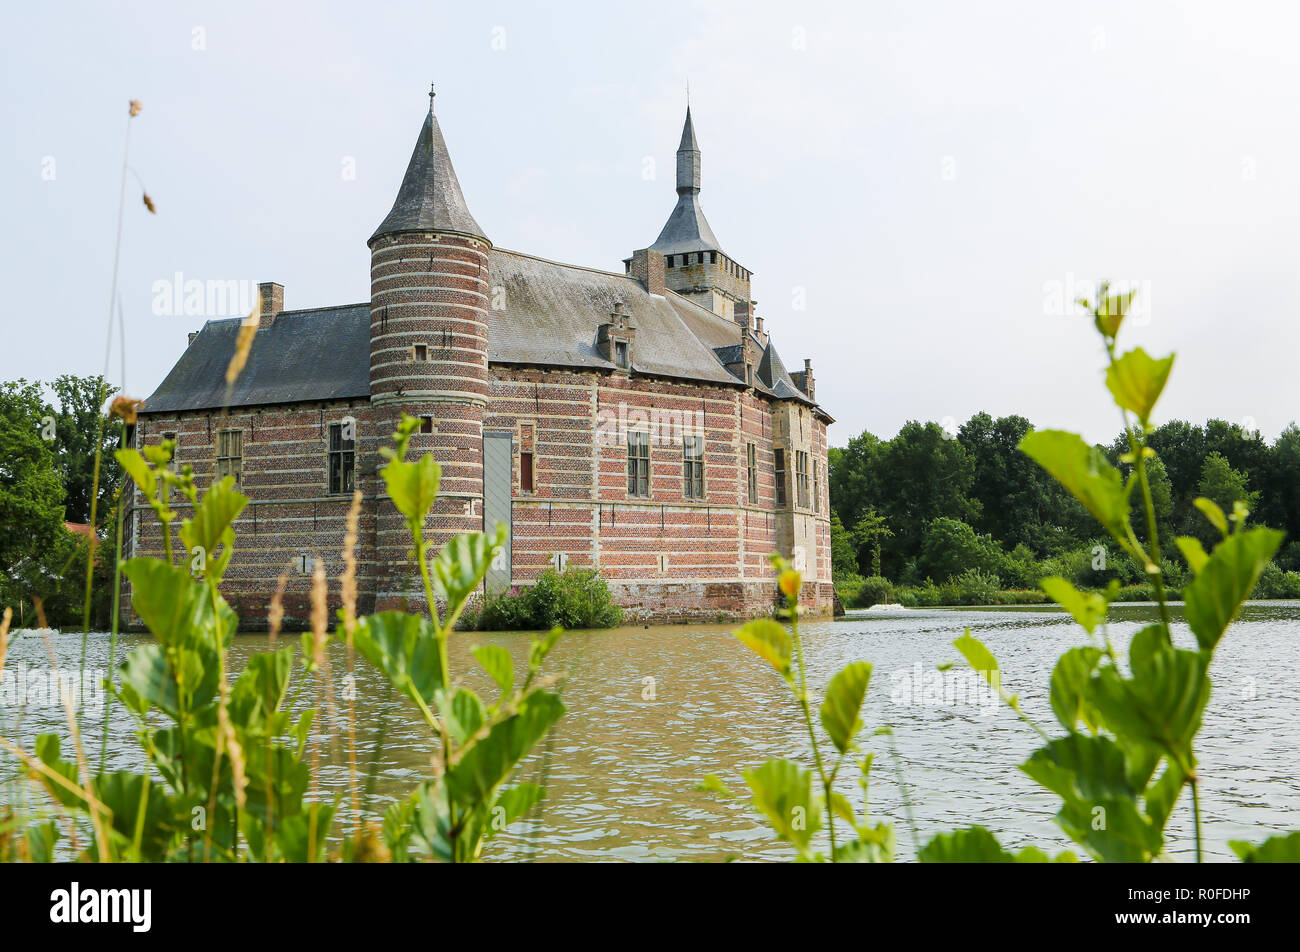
column 1161, row 707
column 164, row 597
column 405, row 648
column 1225, row 581
column 496, row 661
column 41, row 839
column 1069, row 687
column 873, row 845
column 1087, row 608
column 139, row 471
column 540, row 648
column 1136, row 380
column 711, row 784
column 511, row 805
column 141, row 809
column 1284, row 848
column 979, row 658
column 47, row 752
column 212, row 526
column 839, row 712
column 1099, row 810
column 769, row 641
column 1084, row 472
column 461, row 564
column 783, row 792
column 146, row 672
column 413, row 486
column 465, row 716
column 484, row 765
column 1212, row 512
column 973, row 845
column 260, row 690
column 1193, row 552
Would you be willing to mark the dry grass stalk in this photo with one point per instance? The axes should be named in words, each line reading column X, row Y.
column 275, row 614
column 348, row 586
column 244, row 342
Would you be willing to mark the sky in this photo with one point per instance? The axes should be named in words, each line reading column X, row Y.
column 920, row 188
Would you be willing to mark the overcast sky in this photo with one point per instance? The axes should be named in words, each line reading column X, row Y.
column 916, row 186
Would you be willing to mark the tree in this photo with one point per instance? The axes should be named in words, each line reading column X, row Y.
column 844, row 553
column 950, row 547
column 79, row 420
column 870, row 531
column 1014, row 493
column 1223, row 485
column 33, row 540
column 921, row 474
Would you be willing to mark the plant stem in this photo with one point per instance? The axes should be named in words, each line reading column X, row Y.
column 802, row 697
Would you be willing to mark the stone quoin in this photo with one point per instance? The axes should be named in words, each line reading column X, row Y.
column 640, row 423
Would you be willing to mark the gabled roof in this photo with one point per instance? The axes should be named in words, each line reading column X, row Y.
column 320, row 354
column 430, row 198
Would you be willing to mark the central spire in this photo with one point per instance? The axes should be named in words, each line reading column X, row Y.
column 688, row 159
column 430, row 198
column 687, row 229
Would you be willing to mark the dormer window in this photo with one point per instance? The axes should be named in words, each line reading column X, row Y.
column 620, row 354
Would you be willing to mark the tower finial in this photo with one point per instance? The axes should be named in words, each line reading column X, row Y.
column 432, row 92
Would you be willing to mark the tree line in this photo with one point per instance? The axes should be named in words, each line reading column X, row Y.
column 937, row 506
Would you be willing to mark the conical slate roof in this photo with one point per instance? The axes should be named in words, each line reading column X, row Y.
column 687, row 229
column 430, row 198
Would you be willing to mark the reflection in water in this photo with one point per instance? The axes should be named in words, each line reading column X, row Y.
column 621, row 768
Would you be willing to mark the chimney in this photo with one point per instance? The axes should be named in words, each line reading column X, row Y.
column 272, row 301
column 804, row 379
column 759, row 322
column 647, row 266
column 193, row 334
column 741, row 314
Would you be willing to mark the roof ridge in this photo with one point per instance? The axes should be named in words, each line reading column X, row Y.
column 565, row 264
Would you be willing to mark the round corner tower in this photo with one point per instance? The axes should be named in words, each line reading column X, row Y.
column 429, row 351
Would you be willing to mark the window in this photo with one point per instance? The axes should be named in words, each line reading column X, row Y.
column 780, row 477
column 749, row 375
column 713, row 257
column 638, row 463
column 620, row 353
column 230, row 455
column 526, row 475
column 668, row 261
column 426, row 424
column 817, row 488
column 801, row 477
column 693, row 467
column 421, row 351
column 751, row 464
column 342, row 460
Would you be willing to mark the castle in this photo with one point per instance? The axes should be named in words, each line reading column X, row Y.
column 640, row 423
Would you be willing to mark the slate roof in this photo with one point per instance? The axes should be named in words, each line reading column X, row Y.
column 552, row 313
column 430, row 198
column 320, row 354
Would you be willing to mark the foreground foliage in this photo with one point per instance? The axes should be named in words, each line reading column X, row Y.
column 230, row 775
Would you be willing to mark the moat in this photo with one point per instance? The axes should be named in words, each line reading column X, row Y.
column 653, row 710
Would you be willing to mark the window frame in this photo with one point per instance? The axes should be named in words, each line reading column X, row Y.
column 345, row 451
column 693, row 466
column 778, row 467
column 801, row 478
column 638, row 464
column 751, row 472
column 228, row 463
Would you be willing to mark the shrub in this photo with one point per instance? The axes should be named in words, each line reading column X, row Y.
column 874, row 590
column 1275, row 583
column 847, row 586
column 976, row 588
column 576, row 598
